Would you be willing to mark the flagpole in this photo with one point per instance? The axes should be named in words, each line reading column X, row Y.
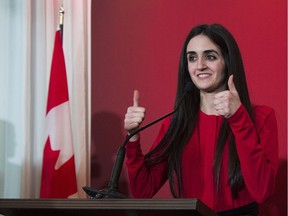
column 61, row 21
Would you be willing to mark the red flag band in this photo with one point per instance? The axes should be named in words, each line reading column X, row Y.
column 58, row 170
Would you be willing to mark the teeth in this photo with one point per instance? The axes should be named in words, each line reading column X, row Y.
column 203, row 75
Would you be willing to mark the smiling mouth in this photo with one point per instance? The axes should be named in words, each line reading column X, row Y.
column 203, row 75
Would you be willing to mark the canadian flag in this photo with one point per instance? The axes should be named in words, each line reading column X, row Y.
column 58, row 170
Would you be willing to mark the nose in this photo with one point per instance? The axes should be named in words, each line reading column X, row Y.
column 201, row 65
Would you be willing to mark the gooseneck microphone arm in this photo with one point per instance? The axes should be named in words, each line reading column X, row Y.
column 112, row 190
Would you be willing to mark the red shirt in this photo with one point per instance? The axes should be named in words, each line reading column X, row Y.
column 257, row 147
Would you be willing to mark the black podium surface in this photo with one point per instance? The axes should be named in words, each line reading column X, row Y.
column 104, row 207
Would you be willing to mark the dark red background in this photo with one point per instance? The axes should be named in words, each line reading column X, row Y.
column 136, row 45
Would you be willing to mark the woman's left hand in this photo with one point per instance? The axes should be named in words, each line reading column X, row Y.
column 227, row 102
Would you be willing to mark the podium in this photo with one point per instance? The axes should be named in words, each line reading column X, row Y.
column 104, row 207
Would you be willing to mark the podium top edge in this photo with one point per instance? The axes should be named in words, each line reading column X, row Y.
column 100, row 203
column 89, row 205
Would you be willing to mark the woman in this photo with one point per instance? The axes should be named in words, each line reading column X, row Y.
column 217, row 147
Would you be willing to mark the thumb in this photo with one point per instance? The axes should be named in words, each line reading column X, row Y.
column 136, row 98
column 231, row 85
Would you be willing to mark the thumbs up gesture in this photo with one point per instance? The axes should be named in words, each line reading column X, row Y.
column 227, row 102
column 135, row 114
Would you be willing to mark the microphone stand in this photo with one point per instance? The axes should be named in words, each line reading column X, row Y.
column 112, row 190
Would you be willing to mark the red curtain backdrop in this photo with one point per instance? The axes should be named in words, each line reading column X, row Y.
column 136, row 45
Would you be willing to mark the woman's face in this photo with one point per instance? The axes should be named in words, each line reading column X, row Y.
column 206, row 64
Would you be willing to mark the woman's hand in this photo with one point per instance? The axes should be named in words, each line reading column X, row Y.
column 134, row 116
column 227, row 102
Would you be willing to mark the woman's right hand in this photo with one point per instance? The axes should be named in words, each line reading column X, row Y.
column 134, row 116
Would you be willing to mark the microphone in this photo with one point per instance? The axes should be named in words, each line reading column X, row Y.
column 111, row 191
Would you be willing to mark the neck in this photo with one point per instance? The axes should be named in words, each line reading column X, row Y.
column 206, row 103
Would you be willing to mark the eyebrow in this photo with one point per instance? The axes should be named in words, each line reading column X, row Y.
column 205, row 52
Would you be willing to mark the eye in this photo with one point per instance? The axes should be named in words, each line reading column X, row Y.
column 191, row 57
column 211, row 57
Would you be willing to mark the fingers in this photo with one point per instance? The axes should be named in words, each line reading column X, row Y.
column 221, row 103
column 136, row 98
column 135, row 114
column 134, row 118
column 231, row 84
column 231, row 88
column 227, row 102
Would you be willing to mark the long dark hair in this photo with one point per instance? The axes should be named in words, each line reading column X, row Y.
column 182, row 123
